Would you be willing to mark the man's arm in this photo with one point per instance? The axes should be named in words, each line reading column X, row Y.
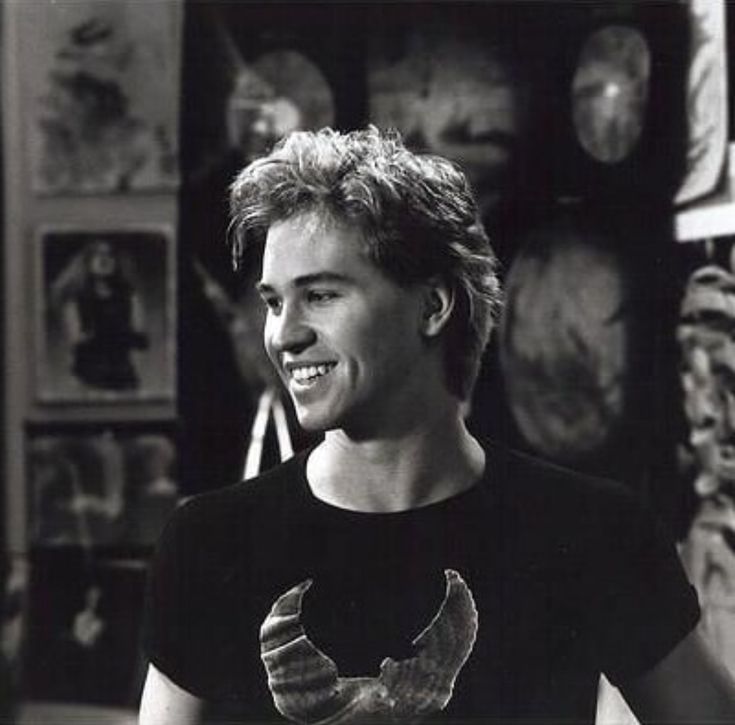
column 165, row 703
column 688, row 686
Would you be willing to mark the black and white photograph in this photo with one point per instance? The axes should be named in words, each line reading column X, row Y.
column 367, row 363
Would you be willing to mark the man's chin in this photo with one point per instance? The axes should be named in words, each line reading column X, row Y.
column 314, row 423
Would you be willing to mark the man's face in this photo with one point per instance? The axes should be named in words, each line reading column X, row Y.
column 344, row 337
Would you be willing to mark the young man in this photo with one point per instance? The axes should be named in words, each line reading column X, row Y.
column 398, row 572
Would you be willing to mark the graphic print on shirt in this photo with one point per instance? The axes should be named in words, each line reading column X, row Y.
column 306, row 686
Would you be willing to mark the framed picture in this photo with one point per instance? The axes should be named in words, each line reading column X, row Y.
column 103, row 487
column 451, row 84
column 84, row 628
column 105, row 325
column 103, row 95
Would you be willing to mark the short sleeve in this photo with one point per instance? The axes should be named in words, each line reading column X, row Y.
column 193, row 613
column 201, row 628
column 171, row 603
column 644, row 603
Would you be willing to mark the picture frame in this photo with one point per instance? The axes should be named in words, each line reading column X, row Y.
column 105, row 323
column 83, row 642
column 103, row 488
column 102, row 96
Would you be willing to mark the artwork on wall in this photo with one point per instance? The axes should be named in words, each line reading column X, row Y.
column 564, row 349
column 279, row 92
column 610, row 92
column 109, row 487
column 105, row 325
column 706, row 101
column 258, row 81
column 452, row 89
column 103, row 96
column 83, row 644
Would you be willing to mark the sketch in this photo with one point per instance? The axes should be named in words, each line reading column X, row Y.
column 104, row 488
column 104, row 107
column 105, row 329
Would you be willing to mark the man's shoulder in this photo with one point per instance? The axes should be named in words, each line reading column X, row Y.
column 538, row 474
column 554, row 495
column 233, row 504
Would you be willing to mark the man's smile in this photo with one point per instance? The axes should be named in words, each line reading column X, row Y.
column 306, row 374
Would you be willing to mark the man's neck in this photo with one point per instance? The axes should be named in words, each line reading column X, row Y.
column 395, row 474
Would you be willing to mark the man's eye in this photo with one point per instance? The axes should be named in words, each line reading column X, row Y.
column 272, row 303
column 321, row 296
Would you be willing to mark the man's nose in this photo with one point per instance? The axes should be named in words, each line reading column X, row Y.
column 288, row 331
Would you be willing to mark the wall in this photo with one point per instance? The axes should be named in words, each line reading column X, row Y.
column 90, row 145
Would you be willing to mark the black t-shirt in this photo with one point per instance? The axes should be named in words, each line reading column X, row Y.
column 570, row 577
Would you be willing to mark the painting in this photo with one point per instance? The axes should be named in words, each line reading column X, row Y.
column 104, row 98
column 105, row 324
column 101, row 488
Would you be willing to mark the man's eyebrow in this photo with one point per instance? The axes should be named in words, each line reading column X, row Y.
column 307, row 279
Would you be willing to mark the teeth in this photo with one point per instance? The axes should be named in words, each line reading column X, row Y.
column 310, row 372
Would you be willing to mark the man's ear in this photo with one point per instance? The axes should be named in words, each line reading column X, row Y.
column 438, row 306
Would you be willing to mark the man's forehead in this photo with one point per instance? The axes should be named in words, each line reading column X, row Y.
column 314, row 224
column 311, row 243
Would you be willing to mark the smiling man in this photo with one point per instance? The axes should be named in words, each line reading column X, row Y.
column 398, row 571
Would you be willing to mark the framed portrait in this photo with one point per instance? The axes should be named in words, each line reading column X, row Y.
column 105, row 325
column 105, row 488
column 103, row 95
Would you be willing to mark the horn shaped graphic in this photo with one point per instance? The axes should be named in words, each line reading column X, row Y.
column 305, row 682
